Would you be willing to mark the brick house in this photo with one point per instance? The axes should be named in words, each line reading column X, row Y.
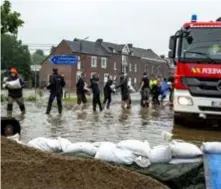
column 104, row 58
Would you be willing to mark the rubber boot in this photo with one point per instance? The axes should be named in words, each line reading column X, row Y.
column 9, row 110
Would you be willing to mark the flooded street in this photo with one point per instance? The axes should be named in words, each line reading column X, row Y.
column 112, row 125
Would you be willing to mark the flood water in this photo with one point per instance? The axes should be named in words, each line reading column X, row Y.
column 112, row 125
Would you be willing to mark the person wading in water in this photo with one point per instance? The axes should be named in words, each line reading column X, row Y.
column 56, row 84
column 107, row 92
column 145, row 90
column 14, row 91
column 125, row 96
column 81, row 91
column 96, row 92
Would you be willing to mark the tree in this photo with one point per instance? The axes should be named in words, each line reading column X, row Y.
column 15, row 54
column 38, row 56
column 10, row 21
column 53, row 48
column 162, row 56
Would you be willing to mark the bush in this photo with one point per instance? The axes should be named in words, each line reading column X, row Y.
column 3, row 98
column 30, row 98
column 40, row 93
column 70, row 100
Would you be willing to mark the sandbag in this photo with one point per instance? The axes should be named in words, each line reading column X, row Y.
column 143, row 162
column 13, row 84
column 211, row 147
column 167, row 136
column 84, row 147
column 98, row 144
column 16, row 138
column 186, row 160
column 110, row 153
column 45, row 144
column 64, row 143
column 160, row 154
column 184, row 149
column 137, row 147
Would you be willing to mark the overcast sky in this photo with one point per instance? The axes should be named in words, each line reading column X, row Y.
column 145, row 24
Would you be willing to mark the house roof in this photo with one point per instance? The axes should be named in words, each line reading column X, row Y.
column 145, row 53
column 87, row 47
column 101, row 48
column 110, row 46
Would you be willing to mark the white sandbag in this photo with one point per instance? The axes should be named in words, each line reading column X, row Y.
column 160, row 154
column 123, row 156
column 167, row 136
column 143, row 162
column 113, row 87
column 45, row 144
column 13, row 84
column 184, row 149
column 16, row 138
column 64, row 143
column 84, row 147
column 211, row 147
column 97, row 144
column 185, row 160
column 137, row 147
column 110, row 153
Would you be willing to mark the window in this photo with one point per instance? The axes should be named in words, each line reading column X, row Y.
column 135, row 80
column 93, row 61
column 115, row 65
column 124, row 69
column 79, row 63
column 129, row 81
column 130, row 67
column 146, row 67
column 124, row 59
column 201, row 41
column 114, row 51
column 135, row 68
column 104, row 62
column 105, row 77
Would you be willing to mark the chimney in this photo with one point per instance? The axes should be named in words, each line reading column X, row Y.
column 130, row 45
column 99, row 41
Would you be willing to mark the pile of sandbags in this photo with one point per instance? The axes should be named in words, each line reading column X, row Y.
column 129, row 151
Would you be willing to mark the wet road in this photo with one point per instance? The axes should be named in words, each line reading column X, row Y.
column 112, row 125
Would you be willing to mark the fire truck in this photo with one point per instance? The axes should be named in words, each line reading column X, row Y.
column 196, row 51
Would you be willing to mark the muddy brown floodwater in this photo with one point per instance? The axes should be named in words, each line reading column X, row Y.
column 112, row 125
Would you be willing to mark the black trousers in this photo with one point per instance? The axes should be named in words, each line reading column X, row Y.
column 145, row 97
column 171, row 95
column 97, row 101
column 52, row 96
column 107, row 100
column 20, row 102
column 155, row 99
column 81, row 97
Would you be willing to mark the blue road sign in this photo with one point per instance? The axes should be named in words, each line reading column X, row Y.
column 64, row 59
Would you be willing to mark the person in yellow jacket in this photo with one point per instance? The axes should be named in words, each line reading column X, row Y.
column 153, row 82
column 215, row 49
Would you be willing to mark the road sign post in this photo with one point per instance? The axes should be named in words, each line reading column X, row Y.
column 35, row 68
column 68, row 60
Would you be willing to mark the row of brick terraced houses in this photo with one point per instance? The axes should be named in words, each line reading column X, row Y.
column 104, row 58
